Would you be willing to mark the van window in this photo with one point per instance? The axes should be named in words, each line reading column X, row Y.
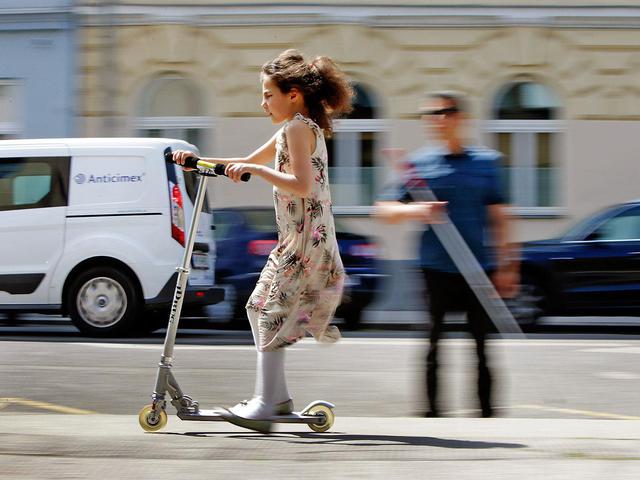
column 191, row 180
column 33, row 182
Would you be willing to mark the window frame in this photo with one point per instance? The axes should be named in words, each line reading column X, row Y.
column 13, row 129
column 359, row 126
column 143, row 123
column 556, row 127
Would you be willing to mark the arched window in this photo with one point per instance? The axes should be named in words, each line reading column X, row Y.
column 352, row 154
column 526, row 129
column 172, row 106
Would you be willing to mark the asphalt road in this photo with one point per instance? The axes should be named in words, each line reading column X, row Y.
column 366, row 374
column 567, row 403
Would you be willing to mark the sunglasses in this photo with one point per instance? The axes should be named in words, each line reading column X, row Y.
column 446, row 112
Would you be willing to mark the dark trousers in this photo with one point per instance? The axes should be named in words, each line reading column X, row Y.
column 449, row 292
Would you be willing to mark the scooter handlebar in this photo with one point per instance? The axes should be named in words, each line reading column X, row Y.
column 195, row 162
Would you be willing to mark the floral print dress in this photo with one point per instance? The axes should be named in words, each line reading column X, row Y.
column 301, row 285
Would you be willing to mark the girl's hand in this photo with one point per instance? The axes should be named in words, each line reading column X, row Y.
column 180, row 157
column 235, row 170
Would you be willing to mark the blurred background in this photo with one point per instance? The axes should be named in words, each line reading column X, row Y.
column 554, row 86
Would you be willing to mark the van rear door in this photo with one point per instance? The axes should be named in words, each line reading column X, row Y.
column 204, row 251
column 183, row 187
column 34, row 194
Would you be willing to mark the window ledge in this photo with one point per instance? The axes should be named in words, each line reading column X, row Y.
column 538, row 212
column 352, row 211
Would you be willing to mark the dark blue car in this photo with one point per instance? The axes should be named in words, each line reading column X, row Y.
column 244, row 238
column 593, row 269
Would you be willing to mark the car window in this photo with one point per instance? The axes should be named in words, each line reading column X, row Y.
column 625, row 226
column 224, row 222
column 261, row 220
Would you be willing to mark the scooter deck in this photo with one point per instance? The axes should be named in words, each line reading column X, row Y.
column 215, row 415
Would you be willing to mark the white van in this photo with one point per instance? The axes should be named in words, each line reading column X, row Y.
column 95, row 227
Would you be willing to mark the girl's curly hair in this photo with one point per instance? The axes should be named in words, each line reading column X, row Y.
column 326, row 90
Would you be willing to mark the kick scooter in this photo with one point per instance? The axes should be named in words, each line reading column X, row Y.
column 318, row 415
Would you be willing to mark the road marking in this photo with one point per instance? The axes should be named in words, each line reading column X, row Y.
column 618, row 375
column 159, row 347
column 625, row 349
column 604, row 347
column 497, row 342
column 588, row 413
column 5, row 402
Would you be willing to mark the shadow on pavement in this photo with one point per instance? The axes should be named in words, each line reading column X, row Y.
column 356, row 440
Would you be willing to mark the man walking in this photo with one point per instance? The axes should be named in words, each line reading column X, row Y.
column 466, row 181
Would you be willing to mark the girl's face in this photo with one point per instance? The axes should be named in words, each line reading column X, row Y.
column 279, row 106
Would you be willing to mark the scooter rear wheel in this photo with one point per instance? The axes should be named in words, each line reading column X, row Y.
column 152, row 420
column 329, row 418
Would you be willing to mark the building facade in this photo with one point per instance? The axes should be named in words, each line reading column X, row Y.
column 37, row 69
column 555, row 88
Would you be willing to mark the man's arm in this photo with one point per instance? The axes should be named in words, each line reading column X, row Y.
column 507, row 274
column 396, row 212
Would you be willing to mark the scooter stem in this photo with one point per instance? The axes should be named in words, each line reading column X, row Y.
column 183, row 275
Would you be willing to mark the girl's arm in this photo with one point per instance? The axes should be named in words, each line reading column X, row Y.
column 263, row 155
column 301, row 142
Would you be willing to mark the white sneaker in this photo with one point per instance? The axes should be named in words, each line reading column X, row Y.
column 254, row 409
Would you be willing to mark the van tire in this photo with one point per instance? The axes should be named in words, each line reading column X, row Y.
column 104, row 302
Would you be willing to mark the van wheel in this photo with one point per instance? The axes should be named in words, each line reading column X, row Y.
column 103, row 301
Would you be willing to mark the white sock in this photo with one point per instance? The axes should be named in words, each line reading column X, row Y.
column 269, row 379
column 274, row 388
column 252, row 315
column 271, row 384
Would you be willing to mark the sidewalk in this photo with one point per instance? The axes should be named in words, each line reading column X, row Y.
column 53, row 446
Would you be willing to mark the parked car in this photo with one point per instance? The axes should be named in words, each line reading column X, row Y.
column 593, row 269
column 246, row 236
column 94, row 228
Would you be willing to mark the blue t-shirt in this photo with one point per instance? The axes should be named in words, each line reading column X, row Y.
column 469, row 182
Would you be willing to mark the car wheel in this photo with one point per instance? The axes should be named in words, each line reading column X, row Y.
column 530, row 303
column 103, row 301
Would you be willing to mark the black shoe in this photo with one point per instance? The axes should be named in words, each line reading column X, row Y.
column 487, row 412
column 431, row 414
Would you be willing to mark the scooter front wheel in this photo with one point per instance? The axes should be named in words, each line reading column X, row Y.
column 329, row 418
column 152, row 420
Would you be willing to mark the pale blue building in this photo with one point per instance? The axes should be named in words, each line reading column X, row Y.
column 37, row 68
